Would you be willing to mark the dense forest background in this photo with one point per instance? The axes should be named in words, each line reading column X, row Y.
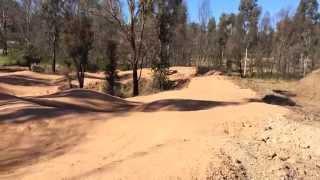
column 90, row 35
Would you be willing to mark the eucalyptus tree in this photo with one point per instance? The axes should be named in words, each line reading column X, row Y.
column 79, row 35
column 132, row 29
column 52, row 16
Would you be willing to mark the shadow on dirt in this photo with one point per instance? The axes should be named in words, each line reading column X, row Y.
column 85, row 102
column 183, row 105
column 53, row 106
column 285, row 93
column 275, row 99
column 23, row 80
column 25, row 144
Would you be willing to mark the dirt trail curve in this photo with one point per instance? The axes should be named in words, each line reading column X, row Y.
column 210, row 129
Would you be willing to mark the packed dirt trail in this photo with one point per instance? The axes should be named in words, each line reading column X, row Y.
column 212, row 128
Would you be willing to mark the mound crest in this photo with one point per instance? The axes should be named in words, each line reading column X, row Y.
column 308, row 87
column 87, row 100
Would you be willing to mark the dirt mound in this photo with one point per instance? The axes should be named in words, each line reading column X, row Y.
column 23, row 109
column 12, row 68
column 309, row 87
column 26, row 83
column 31, row 75
column 86, row 100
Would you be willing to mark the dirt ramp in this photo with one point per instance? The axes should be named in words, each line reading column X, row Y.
column 16, row 109
column 81, row 99
column 41, row 128
column 309, row 86
column 26, row 83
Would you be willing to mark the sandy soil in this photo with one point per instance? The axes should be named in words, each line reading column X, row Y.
column 213, row 129
column 26, row 83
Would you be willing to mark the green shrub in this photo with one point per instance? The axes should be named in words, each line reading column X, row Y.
column 161, row 81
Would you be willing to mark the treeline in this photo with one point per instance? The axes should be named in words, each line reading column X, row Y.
column 131, row 34
column 253, row 45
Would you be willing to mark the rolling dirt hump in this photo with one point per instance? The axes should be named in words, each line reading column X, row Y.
column 87, row 100
column 308, row 87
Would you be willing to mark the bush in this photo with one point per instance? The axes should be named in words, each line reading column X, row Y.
column 93, row 67
column 161, row 81
column 202, row 70
column 124, row 90
column 37, row 68
column 118, row 89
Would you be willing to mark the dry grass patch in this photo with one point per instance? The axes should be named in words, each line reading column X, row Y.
column 265, row 86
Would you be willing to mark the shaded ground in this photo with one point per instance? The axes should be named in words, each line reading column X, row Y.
column 212, row 129
column 21, row 82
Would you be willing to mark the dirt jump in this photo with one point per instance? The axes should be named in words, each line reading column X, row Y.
column 212, row 129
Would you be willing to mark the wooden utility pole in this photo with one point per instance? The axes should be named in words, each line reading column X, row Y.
column 304, row 64
column 245, row 63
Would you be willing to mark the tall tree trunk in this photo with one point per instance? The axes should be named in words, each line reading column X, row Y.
column 79, row 76
column 221, row 60
column 5, row 39
column 135, row 54
column 111, row 74
column 80, row 72
column 5, row 48
column 240, row 68
column 81, row 79
column 54, row 54
column 135, row 80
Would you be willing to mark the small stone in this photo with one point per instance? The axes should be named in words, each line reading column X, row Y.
column 305, row 147
column 238, row 161
column 268, row 128
column 265, row 140
column 272, row 156
column 284, row 158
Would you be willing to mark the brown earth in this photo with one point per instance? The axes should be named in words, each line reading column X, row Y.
column 309, row 88
column 212, row 129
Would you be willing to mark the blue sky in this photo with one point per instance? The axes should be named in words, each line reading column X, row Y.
column 228, row 6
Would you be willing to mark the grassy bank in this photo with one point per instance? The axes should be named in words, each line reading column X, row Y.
column 7, row 61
